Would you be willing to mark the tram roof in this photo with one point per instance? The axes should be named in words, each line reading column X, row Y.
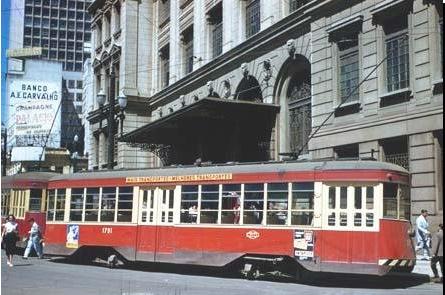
column 262, row 167
column 35, row 179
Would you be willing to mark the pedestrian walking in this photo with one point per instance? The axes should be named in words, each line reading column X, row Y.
column 10, row 237
column 437, row 243
column 33, row 240
column 423, row 235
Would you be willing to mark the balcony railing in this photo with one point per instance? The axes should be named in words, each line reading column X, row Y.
column 399, row 159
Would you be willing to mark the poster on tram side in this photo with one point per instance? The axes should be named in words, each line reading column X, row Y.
column 304, row 244
column 72, row 236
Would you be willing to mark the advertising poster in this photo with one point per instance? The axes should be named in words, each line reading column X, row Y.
column 72, row 236
column 34, row 106
column 304, row 244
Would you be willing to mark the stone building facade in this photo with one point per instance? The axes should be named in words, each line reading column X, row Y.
column 350, row 79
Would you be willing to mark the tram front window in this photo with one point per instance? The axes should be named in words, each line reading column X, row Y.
column 390, row 200
column 405, row 202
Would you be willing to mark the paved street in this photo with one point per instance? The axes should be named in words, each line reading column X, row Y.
column 58, row 277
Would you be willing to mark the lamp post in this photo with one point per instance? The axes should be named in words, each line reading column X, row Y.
column 75, row 154
column 122, row 101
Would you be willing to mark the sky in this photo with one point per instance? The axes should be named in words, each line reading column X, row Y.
column 5, row 36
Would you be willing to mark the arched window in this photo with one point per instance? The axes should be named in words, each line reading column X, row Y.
column 294, row 96
column 299, row 107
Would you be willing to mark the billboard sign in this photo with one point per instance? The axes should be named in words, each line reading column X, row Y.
column 34, row 109
column 27, row 153
column 24, row 52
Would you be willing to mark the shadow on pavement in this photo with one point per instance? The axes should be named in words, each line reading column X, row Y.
column 328, row 280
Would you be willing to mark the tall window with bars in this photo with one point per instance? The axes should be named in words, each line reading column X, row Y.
column 217, row 38
column 165, row 66
column 253, row 17
column 187, row 37
column 349, row 70
column 215, row 21
column 397, row 51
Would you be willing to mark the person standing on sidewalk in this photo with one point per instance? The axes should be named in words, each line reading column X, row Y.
column 9, row 237
column 437, row 254
column 34, row 240
column 422, row 234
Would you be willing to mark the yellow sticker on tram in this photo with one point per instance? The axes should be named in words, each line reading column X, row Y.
column 180, row 178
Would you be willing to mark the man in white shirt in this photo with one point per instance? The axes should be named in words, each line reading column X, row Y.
column 34, row 240
column 422, row 234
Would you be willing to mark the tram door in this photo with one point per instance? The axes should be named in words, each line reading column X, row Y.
column 155, row 229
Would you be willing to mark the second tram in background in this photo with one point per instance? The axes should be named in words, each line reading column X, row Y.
column 337, row 216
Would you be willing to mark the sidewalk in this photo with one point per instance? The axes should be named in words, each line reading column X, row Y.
column 423, row 267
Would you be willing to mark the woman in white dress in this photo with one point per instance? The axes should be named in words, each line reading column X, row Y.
column 9, row 236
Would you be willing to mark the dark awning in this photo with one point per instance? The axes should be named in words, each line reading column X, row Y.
column 204, row 114
column 211, row 129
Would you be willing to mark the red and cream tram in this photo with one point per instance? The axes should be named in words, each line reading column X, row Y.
column 336, row 216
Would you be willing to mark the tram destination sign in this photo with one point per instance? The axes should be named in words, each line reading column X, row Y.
column 180, row 178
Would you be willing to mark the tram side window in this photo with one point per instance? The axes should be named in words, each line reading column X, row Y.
column 370, row 205
column 92, row 204
column 343, row 205
column 189, row 204
column 18, row 203
column 332, row 197
column 358, row 204
column 277, row 203
column 6, row 197
column 302, row 203
column 390, row 200
column 231, row 203
column 35, row 199
column 369, row 197
column 209, row 204
column 147, row 210
column 50, row 205
column 332, row 205
column 108, row 204
column 60, row 204
column 253, row 203
column 125, row 204
column 359, row 201
column 76, row 205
